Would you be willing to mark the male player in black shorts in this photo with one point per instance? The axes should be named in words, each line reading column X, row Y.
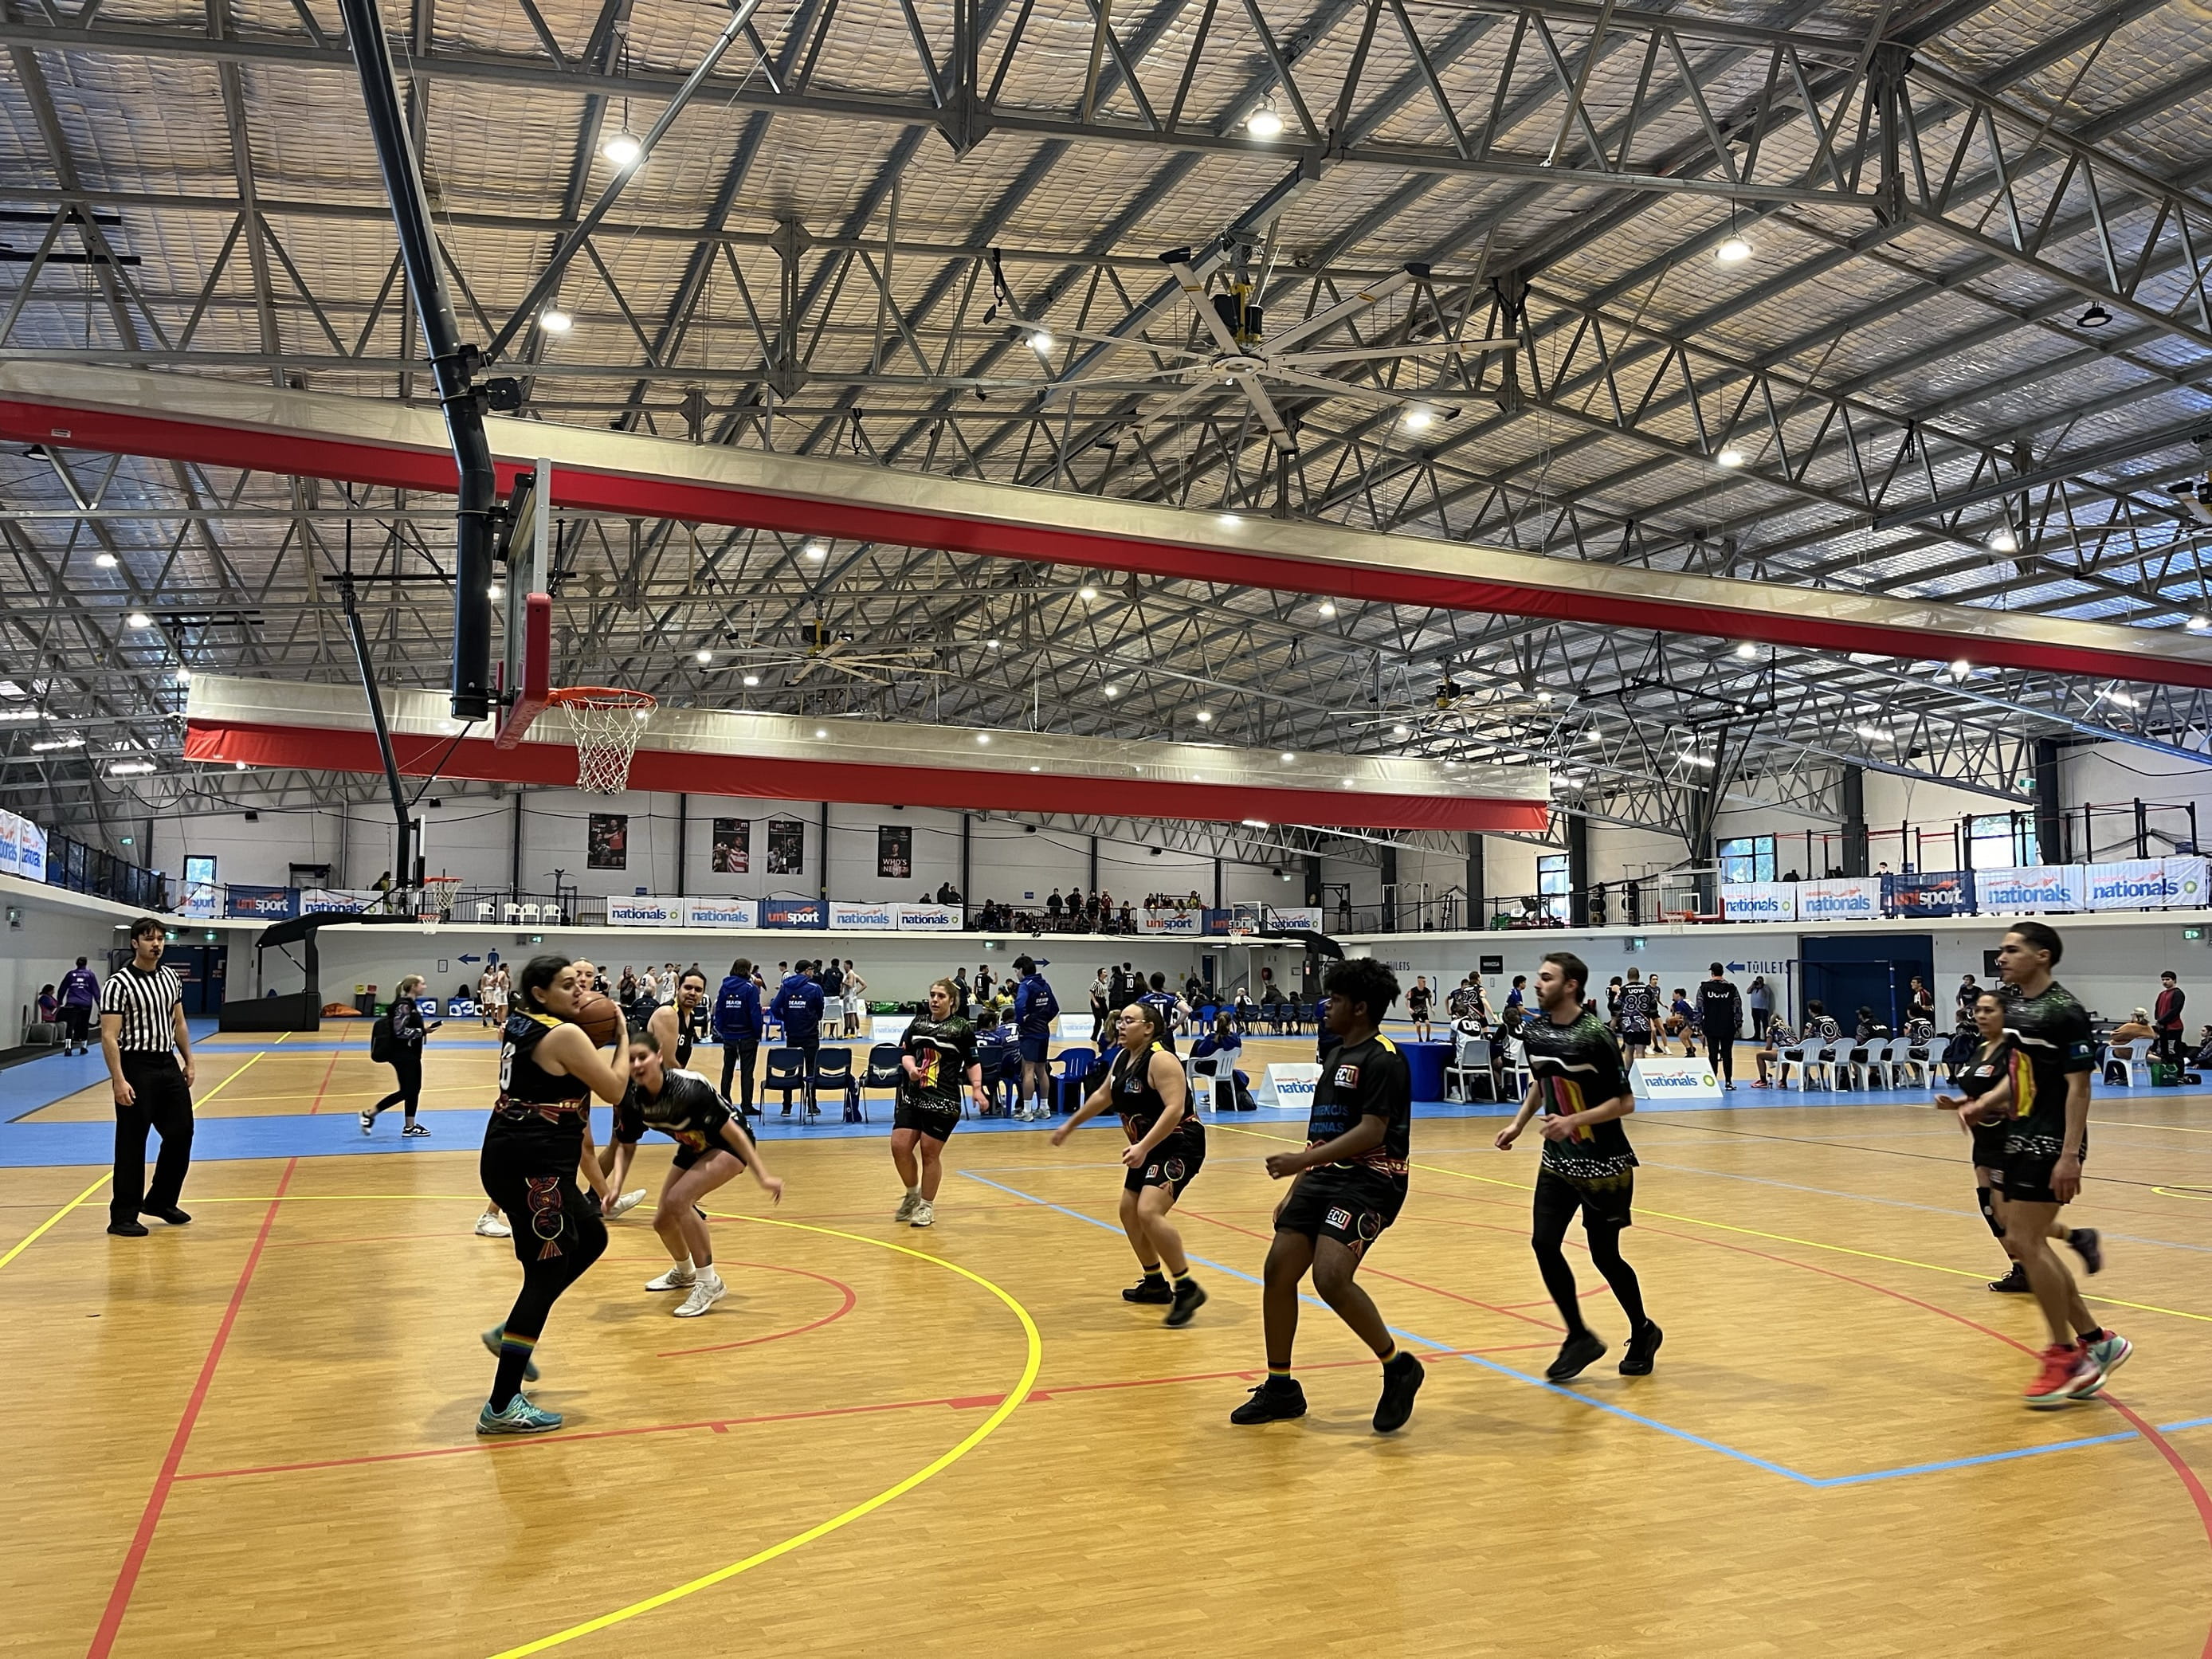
column 1720, row 1013
column 938, row 1053
column 1351, row 1182
column 1577, row 1079
column 2046, row 1090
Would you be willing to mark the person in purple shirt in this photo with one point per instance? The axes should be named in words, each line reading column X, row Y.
column 79, row 995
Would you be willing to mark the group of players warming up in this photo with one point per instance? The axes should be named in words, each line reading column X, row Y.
column 2023, row 1099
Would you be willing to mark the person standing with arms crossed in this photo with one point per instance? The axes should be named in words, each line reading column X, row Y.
column 738, row 1029
column 79, row 995
column 1351, row 1183
column 1036, row 1010
column 142, row 1033
column 2165, row 1017
column 1720, row 1013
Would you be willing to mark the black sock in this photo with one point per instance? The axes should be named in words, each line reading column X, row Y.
column 2096, row 1333
column 2073, row 1239
column 1182, row 1279
column 1152, row 1273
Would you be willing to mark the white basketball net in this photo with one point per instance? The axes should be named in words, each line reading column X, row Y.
column 606, row 724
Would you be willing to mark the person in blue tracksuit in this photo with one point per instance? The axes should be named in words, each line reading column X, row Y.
column 1035, row 1013
column 738, row 1029
column 797, row 1006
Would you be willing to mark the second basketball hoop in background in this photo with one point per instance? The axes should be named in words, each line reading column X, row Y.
column 606, row 722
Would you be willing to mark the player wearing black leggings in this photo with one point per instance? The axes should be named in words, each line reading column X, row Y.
column 535, row 1146
column 1577, row 1080
column 401, row 1042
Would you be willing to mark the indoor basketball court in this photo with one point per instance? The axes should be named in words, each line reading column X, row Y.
column 1380, row 824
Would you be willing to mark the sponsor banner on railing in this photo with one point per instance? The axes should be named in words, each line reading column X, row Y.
column 2031, row 887
column 1935, row 893
column 1302, row 919
column 264, row 904
column 11, row 832
column 30, row 851
column 2145, row 884
column 645, row 911
column 329, row 900
column 847, row 917
column 1215, row 924
column 1759, row 900
column 1169, row 922
column 794, row 913
column 203, row 902
column 1840, row 898
column 928, row 918
column 720, row 913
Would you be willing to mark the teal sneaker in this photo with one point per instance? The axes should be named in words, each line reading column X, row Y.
column 520, row 1417
column 2110, row 1355
column 491, row 1341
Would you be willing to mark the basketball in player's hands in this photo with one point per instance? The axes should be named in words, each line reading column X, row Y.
column 600, row 1016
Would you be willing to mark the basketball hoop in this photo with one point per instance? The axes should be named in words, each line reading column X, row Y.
column 438, row 893
column 606, row 722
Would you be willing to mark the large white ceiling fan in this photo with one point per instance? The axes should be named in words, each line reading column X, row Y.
column 1242, row 356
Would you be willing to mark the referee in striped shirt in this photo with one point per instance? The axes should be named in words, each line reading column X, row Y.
column 142, row 1032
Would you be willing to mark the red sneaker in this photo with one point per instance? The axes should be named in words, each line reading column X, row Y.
column 2067, row 1370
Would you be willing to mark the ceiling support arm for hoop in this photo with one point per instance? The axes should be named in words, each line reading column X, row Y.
column 403, row 869
column 450, row 361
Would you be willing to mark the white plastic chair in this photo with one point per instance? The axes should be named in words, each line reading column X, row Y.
column 1470, row 1065
column 513, row 912
column 486, row 910
column 1216, row 1071
column 1805, row 1057
column 2127, row 1057
column 529, row 914
column 1516, row 1066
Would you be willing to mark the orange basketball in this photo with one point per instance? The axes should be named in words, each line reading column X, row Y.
column 601, row 1017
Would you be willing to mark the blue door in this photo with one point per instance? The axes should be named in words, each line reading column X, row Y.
column 1846, row 972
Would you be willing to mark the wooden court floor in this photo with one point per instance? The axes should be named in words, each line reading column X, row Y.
column 253, row 1437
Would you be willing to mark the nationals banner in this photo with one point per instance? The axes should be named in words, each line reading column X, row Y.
column 1760, row 900
column 644, row 912
column 862, row 918
column 720, row 913
column 928, row 918
column 1932, row 893
column 1840, row 898
column 2031, row 887
column 2145, row 884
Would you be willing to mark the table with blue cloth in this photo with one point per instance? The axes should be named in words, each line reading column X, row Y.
column 1426, row 1062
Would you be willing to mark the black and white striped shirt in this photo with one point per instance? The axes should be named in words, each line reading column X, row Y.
column 143, row 1000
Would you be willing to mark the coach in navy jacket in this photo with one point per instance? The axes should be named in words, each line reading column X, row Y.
column 738, row 1029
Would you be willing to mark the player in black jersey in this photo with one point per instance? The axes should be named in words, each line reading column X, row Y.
column 711, row 1147
column 1166, row 1149
column 2051, row 1055
column 1639, row 1018
column 535, row 1147
column 1577, row 1079
column 1350, row 1184
column 938, row 1054
column 1720, row 1013
column 1980, row 1104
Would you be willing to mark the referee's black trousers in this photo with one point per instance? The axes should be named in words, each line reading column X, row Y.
column 164, row 1105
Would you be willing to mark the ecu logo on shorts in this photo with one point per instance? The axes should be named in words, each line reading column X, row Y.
column 1340, row 1218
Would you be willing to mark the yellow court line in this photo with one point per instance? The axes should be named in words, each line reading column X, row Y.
column 227, row 1081
column 32, row 1238
column 983, row 1430
column 281, row 1035
column 1778, row 1238
column 2163, row 1128
column 2197, row 1195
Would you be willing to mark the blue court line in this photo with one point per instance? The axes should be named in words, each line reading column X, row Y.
column 1818, row 1482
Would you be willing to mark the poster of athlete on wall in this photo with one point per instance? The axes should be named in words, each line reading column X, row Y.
column 895, row 850
column 733, row 847
column 786, row 846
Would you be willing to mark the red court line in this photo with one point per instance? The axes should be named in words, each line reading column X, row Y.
column 851, row 1298
column 724, row 1425
column 2189, row 1481
column 1397, row 1278
column 317, row 1107
column 126, row 1581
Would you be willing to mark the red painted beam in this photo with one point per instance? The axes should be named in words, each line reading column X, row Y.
column 1156, row 542
column 769, row 777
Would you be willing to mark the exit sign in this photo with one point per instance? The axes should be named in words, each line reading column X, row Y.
column 2192, row 932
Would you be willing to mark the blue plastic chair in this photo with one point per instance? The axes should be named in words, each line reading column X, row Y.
column 1068, row 1088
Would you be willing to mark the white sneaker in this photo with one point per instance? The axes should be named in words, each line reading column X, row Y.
column 492, row 1226
column 924, row 1214
column 704, row 1295
column 622, row 1206
column 676, row 1278
column 908, row 1204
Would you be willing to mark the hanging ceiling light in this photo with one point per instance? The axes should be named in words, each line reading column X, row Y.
column 1328, row 608
column 1731, row 456
column 817, row 550
column 1401, row 730
column 1264, row 122
column 139, row 619
column 622, row 150
column 1418, row 419
column 555, row 321
column 1087, row 594
column 2004, row 541
column 706, row 656
column 1748, row 650
column 1204, row 717
column 1961, row 669
column 2199, row 623
column 2095, row 317
column 752, row 680
column 105, row 561
column 1041, row 343
column 1732, row 252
